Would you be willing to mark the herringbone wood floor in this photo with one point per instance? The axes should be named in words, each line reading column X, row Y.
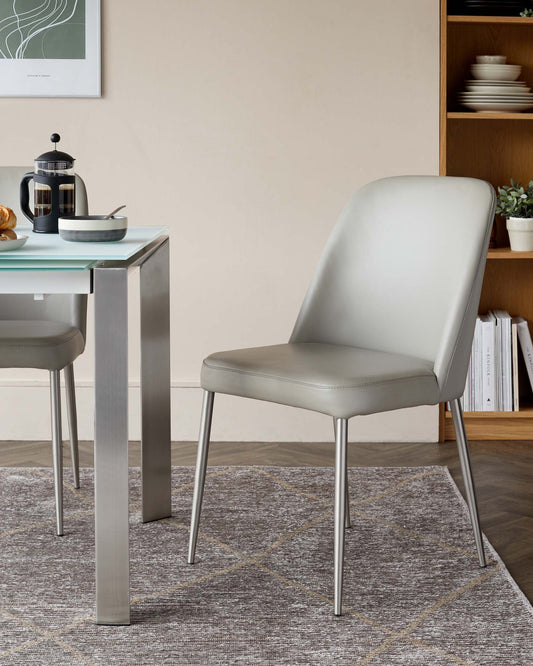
column 503, row 473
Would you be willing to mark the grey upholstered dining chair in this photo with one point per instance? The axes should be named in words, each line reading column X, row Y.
column 47, row 334
column 387, row 323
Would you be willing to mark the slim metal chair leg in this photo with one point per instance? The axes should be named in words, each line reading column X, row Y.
column 347, row 519
column 72, row 422
column 201, row 466
column 341, row 437
column 464, row 457
column 57, row 451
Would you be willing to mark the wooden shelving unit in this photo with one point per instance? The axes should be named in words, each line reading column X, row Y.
column 494, row 147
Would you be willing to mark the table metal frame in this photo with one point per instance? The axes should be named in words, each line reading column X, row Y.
column 107, row 280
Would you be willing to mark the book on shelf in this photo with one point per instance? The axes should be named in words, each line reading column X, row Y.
column 504, row 367
column 492, row 376
column 488, row 334
column 477, row 400
column 514, row 336
column 524, row 336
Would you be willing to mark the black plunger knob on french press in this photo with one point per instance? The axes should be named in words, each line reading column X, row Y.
column 54, row 193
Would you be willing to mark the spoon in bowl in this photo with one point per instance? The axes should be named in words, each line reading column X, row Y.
column 108, row 217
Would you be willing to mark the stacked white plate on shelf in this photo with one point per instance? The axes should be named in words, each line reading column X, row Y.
column 494, row 87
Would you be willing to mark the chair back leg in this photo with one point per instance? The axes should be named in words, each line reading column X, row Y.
column 57, row 451
column 464, row 457
column 341, row 438
column 201, row 466
column 72, row 422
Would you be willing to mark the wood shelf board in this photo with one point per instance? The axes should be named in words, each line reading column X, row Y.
column 524, row 413
column 485, row 115
column 507, row 253
column 491, row 428
column 514, row 20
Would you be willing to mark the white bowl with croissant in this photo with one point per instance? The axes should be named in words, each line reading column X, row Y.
column 9, row 239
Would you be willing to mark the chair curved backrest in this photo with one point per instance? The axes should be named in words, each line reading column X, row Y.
column 68, row 308
column 402, row 273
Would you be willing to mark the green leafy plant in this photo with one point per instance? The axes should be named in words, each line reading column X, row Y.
column 527, row 12
column 515, row 200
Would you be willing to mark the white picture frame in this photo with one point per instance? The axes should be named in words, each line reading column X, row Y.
column 70, row 29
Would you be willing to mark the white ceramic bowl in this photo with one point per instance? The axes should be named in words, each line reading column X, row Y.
column 502, row 90
column 494, row 107
column 15, row 244
column 92, row 228
column 491, row 59
column 496, row 72
column 490, row 82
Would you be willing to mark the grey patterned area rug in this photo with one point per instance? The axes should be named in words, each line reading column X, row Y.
column 261, row 590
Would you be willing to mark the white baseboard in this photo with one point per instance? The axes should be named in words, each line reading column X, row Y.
column 25, row 415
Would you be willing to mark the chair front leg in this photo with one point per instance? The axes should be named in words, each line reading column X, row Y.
column 464, row 457
column 347, row 519
column 201, row 466
column 57, row 450
column 72, row 422
column 341, row 438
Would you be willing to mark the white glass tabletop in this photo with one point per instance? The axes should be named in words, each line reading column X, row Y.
column 52, row 248
column 47, row 265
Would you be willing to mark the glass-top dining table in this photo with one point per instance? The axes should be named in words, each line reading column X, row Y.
column 47, row 264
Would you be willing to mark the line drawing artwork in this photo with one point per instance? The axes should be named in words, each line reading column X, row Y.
column 42, row 29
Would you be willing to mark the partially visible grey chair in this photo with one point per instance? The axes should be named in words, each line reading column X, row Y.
column 387, row 323
column 47, row 334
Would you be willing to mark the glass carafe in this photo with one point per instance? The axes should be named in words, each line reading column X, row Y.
column 54, row 194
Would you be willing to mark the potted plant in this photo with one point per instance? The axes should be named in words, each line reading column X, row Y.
column 515, row 203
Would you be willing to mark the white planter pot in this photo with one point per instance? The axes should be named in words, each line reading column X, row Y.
column 520, row 233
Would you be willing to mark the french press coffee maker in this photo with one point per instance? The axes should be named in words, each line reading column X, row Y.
column 53, row 190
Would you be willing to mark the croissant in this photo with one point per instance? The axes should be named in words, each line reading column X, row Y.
column 8, row 219
column 7, row 234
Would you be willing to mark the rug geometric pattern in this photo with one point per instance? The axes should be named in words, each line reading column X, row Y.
column 261, row 590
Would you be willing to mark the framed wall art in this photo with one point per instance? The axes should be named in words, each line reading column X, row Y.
column 50, row 48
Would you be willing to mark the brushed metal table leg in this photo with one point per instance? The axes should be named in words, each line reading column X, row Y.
column 72, row 422
column 111, row 445
column 155, row 385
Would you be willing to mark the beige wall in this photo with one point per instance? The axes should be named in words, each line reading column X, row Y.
column 244, row 125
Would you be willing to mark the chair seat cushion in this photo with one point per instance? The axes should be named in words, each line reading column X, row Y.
column 48, row 345
column 332, row 379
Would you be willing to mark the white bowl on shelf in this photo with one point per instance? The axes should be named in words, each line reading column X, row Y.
column 496, row 72
column 494, row 106
column 509, row 96
column 492, row 82
column 92, row 228
column 503, row 90
column 491, row 59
